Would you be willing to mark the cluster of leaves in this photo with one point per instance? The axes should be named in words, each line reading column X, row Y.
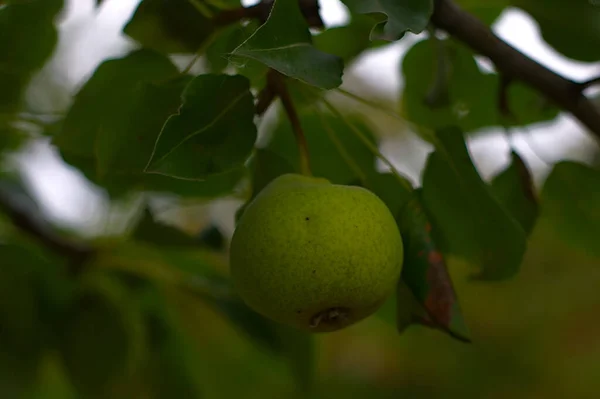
column 140, row 124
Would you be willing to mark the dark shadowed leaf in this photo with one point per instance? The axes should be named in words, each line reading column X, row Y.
column 393, row 190
column 160, row 234
column 174, row 26
column 513, row 187
column 580, row 39
column 212, row 133
column 570, row 201
column 444, row 86
column 28, row 37
column 402, row 15
column 425, row 273
column 102, row 323
column 469, row 222
column 284, row 43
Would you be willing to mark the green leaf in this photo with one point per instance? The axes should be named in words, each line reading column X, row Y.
column 425, row 272
column 513, row 187
column 231, row 37
column 570, row 201
column 266, row 166
column 174, row 26
column 348, row 41
column 444, row 86
column 169, row 368
column 284, row 43
column 394, row 191
column 111, row 129
column 102, row 336
column 325, row 158
column 23, row 51
column 402, row 15
column 195, row 145
column 571, row 27
column 469, row 221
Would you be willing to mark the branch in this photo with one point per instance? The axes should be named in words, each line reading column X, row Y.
column 36, row 226
column 511, row 62
column 261, row 11
column 589, row 83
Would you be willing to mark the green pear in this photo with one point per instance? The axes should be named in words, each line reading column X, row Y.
column 315, row 255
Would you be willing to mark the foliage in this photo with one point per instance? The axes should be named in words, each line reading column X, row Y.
column 149, row 312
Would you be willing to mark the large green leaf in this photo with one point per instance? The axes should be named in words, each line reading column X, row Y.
column 513, row 187
column 28, row 37
column 571, row 27
column 284, row 43
column 212, row 133
column 174, row 26
column 570, row 201
column 402, row 15
column 425, row 273
column 111, row 129
column 468, row 219
column 444, row 86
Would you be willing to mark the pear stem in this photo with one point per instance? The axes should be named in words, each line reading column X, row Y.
column 277, row 83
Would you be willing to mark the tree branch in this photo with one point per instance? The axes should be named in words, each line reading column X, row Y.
column 509, row 61
column 309, row 8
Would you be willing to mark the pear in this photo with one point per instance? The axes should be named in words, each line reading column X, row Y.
column 315, row 255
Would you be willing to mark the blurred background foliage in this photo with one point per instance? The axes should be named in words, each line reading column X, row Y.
column 132, row 300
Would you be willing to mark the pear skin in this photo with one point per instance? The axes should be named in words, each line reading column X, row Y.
column 314, row 255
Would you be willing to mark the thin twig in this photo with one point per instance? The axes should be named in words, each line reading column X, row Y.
column 276, row 82
column 567, row 94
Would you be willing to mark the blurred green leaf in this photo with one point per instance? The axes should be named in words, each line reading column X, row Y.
column 266, row 166
column 468, row 220
column 394, row 193
column 284, row 43
column 444, row 86
column 169, row 366
column 102, row 337
column 325, row 158
column 194, row 145
column 425, row 272
column 571, row 27
column 513, row 187
column 28, row 37
column 402, row 15
column 348, row 41
column 174, row 26
column 570, row 200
